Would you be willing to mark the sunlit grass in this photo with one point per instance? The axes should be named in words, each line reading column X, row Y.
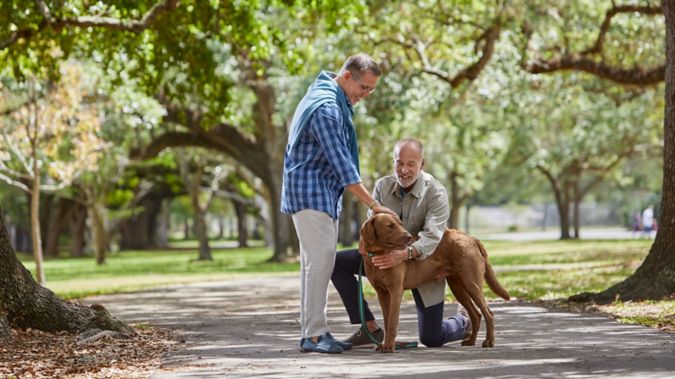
column 549, row 271
column 542, row 270
column 134, row 270
column 528, row 270
column 657, row 314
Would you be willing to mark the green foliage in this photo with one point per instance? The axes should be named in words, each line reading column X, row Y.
column 573, row 26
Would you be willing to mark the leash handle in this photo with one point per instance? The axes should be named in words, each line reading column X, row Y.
column 408, row 345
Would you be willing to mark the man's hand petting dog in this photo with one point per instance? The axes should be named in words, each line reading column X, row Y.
column 391, row 259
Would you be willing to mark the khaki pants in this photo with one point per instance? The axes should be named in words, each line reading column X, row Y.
column 317, row 233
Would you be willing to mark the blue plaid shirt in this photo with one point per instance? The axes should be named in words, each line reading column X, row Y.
column 320, row 165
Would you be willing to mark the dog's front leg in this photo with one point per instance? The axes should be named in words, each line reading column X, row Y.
column 391, row 316
column 383, row 297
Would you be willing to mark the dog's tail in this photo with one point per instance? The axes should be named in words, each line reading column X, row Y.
column 490, row 276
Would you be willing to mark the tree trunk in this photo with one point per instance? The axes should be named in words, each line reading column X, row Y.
column 194, row 182
column 561, row 193
column 98, row 233
column 455, row 202
column 655, row 278
column 201, row 233
column 5, row 329
column 78, row 226
column 576, row 218
column 221, row 227
column 55, row 224
column 283, row 231
column 27, row 304
column 139, row 231
column 564, row 214
column 35, row 227
column 242, row 228
column 272, row 140
column 186, row 228
column 163, row 224
column 467, row 224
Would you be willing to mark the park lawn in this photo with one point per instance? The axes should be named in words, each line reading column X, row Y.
column 548, row 271
column 135, row 270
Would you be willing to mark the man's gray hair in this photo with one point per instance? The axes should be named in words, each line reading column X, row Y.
column 406, row 141
column 359, row 64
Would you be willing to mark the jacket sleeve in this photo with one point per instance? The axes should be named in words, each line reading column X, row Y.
column 435, row 224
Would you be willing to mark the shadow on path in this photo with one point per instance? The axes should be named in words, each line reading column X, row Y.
column 249, row 327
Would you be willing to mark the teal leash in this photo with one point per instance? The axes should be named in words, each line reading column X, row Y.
column 372, row 339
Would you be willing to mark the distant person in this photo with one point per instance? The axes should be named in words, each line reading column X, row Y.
column 648, row 221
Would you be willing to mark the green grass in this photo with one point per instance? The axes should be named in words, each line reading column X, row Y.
column 548, row 271
column 134, row 270
column 543, row 270
column 528, row 270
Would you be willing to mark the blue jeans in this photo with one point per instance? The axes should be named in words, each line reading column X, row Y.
column 434, row 331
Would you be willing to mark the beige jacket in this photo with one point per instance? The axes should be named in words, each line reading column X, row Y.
column 424, row 212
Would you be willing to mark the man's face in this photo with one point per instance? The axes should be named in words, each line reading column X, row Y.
column 358, row 88
column 408, row 164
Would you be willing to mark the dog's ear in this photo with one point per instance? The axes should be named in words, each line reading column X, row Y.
column 368, row 234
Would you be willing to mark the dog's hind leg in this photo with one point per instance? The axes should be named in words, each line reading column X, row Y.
column 464, row 299
column 476, row 293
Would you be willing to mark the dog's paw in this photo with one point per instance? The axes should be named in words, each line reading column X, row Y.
column 469, row 342
column 489, row 343
column 386, row 348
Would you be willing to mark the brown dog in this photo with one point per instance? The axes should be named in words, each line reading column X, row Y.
column 459, row 258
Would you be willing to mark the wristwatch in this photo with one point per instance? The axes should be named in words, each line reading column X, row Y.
column 410, row 252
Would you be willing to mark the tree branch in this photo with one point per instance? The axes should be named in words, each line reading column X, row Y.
column 15, row 183
column 634, row 76
column 582, row 61
column 604, row 28
column 172, row 139
column 48, row 22
column 471, row 72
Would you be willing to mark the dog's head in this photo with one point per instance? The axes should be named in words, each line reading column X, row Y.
column 384, row 232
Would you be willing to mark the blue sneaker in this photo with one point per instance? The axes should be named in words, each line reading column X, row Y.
column 324, row 345
column 344, row 345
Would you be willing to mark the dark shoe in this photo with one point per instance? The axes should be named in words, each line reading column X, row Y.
column 360, row 338
column 324, row 345
column 344, row 345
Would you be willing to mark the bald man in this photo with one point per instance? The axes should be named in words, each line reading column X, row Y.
column 421, row 203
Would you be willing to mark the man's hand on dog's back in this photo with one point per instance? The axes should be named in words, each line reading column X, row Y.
column 391, row 259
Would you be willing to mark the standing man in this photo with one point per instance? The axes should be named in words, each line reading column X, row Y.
column 320, row 162
column 422, row 205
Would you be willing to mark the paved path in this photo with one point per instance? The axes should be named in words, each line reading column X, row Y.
column 248, row 327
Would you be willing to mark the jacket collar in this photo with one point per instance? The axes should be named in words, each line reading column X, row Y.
column 417, row 189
